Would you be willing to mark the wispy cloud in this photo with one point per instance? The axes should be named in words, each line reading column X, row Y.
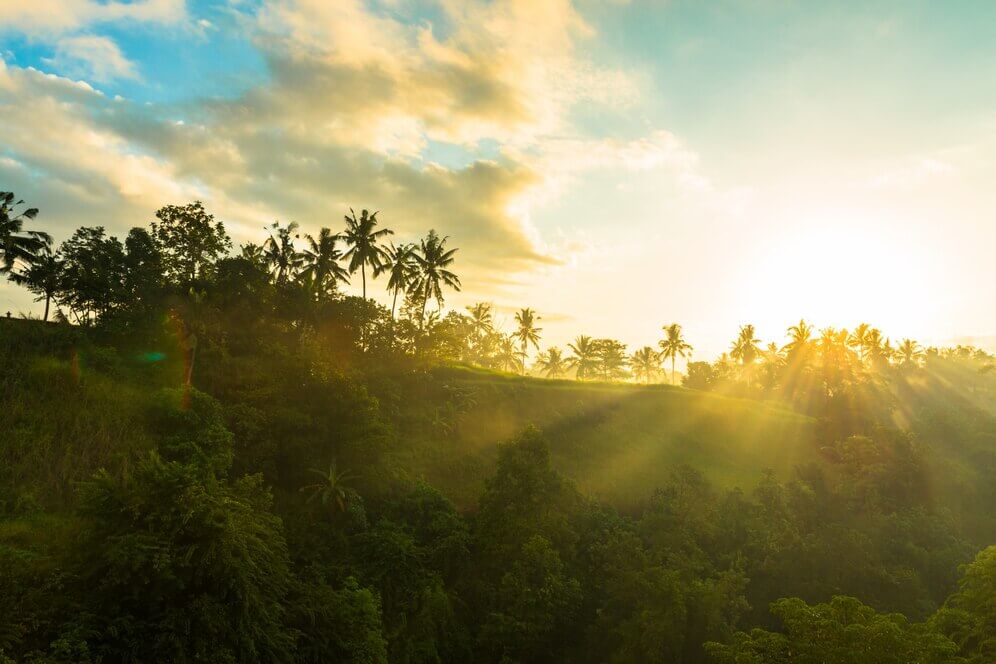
column 92, row 57
column 42, row 18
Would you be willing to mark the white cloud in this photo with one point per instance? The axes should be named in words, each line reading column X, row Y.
column 352, row 99
column 91, row 57
column 51, row 17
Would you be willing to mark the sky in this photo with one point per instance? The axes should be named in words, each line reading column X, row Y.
column 615, row 165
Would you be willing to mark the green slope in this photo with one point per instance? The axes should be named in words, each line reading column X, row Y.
column 68, row 412
column 615, row 441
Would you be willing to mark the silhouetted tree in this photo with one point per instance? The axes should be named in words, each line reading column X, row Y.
column 585, row 358
column 190, row 240
column 859, row 339
column 909, row 353
column 280, row 254
column 363, row 240
column 673, row 345
column 320, row 263
column 433, row 260
column 42, row 276
column 16, row 243
column 645, row 363
column 552, row 363
column 401, row 267
column 526, row 331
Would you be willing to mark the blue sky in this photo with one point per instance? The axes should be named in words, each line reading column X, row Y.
column 615, row 165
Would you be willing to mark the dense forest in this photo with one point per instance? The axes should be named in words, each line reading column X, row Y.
column 210, row 454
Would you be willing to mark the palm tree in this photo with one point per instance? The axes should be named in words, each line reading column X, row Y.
column 254, row 253
column 41, row 276
column 674, row 345
column 859, row 339
column 586, row 356
column 283, row 259
column 745, row 349
column 508, row 357
column 645, row 363
column 481, row 318
column 320, row 262
column 362, row 240
column 17, row 244
column 771, row 366
column 432, row 260
column 800, row 336
column 331, row 488
column 527, row 332
column 552, row 363
column 909, row 353
column 401, row 266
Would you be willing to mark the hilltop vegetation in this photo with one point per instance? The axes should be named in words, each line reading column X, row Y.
column 223, row 461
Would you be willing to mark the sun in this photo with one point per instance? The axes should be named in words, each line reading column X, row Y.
column 839, row 271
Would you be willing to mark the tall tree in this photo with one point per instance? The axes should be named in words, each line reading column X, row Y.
column 93, row 274
column 190, row 240
column 143, row 279
column 508, row 356
column 17, row 244
column 879, row 351
column 41, row 276
column 281, row 255
column 433, row 260
column 552, row 362
column 645, row 363
column 859, row 339
column 585, row 357
column 673, row 345
column 612, row 359
column 481, row 318
column 800, row 338
column 909, row 353
column 363, row 244
column 254, row 253
column 320, row 263
column 526, row 331
column 401, row 267
column 746, row 349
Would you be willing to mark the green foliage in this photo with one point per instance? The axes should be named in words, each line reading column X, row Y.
column 336, row 625
column 844, row 631
column 93, row 271
column 190, row 240
column 534, row 607
column 968, row 617
column 193, row 430
column 178, row 566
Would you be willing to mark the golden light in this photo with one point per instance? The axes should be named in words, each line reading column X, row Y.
column 841, row 268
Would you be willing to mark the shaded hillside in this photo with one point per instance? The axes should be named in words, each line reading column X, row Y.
column 616, row 441
column 73, row 406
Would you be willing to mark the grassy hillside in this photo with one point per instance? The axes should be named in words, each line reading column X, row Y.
column 616, row 441
column 72, row 407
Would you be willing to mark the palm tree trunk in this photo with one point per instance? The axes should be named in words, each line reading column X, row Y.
column 363, row 271
column 425, row 300
column 672, row 369
column 394, row 304
column 47, row 297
